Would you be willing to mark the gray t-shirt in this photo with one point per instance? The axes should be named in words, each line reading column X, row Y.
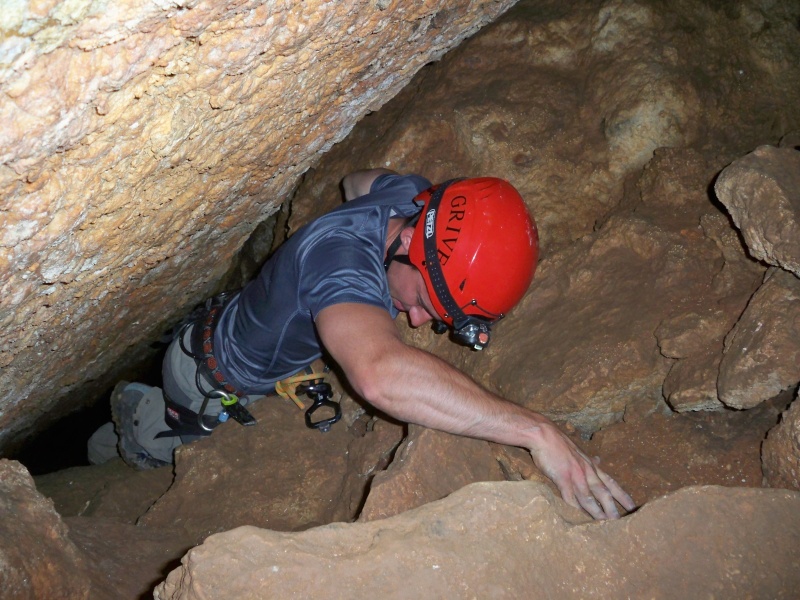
column 267, row 333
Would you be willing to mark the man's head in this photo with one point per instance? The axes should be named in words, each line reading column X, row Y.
column 476, row 247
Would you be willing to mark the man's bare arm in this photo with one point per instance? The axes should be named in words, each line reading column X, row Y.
column 414, row 386
column 358, row 183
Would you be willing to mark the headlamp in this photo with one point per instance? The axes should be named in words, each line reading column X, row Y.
column 473, row 332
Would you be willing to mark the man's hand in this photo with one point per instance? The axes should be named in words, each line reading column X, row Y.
column 582, row 484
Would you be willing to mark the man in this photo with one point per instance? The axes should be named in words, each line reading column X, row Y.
column 462, row 253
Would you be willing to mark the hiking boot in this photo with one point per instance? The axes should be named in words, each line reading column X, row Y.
column 124, row 404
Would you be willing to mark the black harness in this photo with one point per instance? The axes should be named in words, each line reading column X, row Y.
column 210, row 381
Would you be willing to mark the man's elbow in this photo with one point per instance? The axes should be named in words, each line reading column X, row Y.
column 374, row 384
column 372, row 389
column 349, row 187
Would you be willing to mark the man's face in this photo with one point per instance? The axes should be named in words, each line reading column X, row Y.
column 409, row 294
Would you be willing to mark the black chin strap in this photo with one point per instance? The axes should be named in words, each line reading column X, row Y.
column 391, row 253
column 432, row 264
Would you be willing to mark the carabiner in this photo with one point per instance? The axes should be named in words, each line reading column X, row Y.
column 321, row 393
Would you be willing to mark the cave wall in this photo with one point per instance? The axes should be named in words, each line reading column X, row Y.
column 142, row 142
column 614, row 119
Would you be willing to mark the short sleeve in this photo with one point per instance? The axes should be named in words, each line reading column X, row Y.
column 341, row 270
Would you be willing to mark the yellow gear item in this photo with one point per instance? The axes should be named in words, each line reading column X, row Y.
column 286, row 387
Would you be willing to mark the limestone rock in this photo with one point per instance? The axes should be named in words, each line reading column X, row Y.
column 644, row 105
column 112, row 490
column 762, row 193
column 277, row 474
column 691, row 383
column 43, row 556
column 37, row 558
column 503, row 540
column 428, row 466
column 672, row 187
column 762, row 352
column 125, row 561
column 140, row 144
column 652, row 455
column 367, row 456
column 580, row 346
column 781, row 451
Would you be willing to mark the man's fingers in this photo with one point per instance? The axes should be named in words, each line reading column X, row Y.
column 584, row 489
column 621, row 495
column 606, row 500
column 588, row 498
column 579, row 496
column 591, row 506
column 581, row 482
column 600, row 496
column 569, row 497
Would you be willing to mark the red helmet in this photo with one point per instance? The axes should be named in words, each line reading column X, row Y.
column 476, row 247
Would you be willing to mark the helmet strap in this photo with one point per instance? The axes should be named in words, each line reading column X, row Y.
column 470, row 331
column 432, row 259
column 391, row 253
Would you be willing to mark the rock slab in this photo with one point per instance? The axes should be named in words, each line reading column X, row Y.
column 762, row 193
column 515, row 540
column 277, row 474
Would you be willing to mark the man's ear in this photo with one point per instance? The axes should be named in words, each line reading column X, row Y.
column 405, row 237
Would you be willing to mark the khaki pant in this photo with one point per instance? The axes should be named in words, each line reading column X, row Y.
column 178, row 372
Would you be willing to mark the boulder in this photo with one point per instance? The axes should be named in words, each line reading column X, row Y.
column 762, row 352
column 428, row 466
column 512, row 540
column 37, row 557
column 781, row 451
column 762, row 193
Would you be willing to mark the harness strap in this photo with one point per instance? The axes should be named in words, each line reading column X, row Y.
column 202, row 343
column 181, row 419
column 184, row 421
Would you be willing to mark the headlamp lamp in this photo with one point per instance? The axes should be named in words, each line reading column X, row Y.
column 473, row 332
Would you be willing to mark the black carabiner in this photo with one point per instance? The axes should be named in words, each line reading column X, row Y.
column 321, row 393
